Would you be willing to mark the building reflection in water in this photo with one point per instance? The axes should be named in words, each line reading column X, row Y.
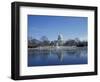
column 60, row 54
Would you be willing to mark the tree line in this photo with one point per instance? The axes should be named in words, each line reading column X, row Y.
column 33, row 43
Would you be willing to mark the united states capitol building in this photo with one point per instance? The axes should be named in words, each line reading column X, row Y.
column 60, row 40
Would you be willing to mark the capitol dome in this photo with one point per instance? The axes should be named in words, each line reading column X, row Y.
column 60, row 40
column 60, row 37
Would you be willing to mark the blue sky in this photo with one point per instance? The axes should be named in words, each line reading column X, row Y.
column 52, row 26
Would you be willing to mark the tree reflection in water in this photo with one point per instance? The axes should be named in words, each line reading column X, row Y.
column 58, row 56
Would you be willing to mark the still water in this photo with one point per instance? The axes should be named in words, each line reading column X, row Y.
column 57, row 57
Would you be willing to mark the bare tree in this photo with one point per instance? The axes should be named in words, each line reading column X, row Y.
column 44, row 41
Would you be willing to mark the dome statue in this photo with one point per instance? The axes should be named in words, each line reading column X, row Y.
column 60, row 40
column 60, row 37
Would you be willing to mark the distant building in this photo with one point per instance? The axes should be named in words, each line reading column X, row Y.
column 60, row 40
